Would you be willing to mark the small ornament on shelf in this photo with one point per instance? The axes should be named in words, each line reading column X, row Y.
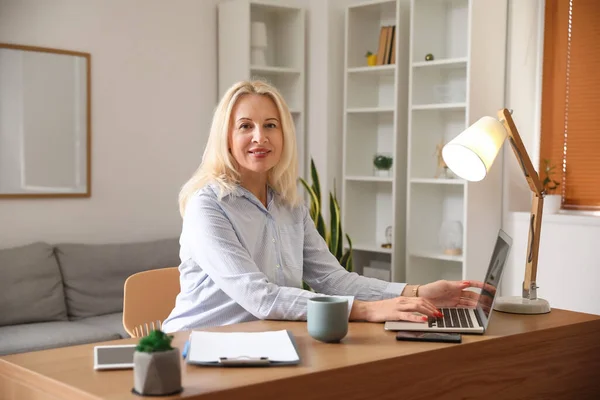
column 383, row 164
column 429, row 57
column 388, row 238
column 451, row 238
column 442, row 171
column 371, row 59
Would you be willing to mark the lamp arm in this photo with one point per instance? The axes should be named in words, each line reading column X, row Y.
column 535, row 220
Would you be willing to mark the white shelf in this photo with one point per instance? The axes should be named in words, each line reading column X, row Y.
column 375, row 114
column 442, row 106
column 370, row 110
column 448, row 62
column 447, row 95
column 375, row 69
column 440, row 181
column 436, row 255
column 372, row 247
column 370, row 179
column 273, row 70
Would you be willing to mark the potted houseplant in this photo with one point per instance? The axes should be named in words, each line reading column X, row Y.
column 156, row 366
column 382, row 163
column 552, row 200
column 335, row 236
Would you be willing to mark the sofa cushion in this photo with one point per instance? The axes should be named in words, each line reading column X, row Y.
column 31, row 288
column 46, row 335
column 94, row 274
column 109, row 322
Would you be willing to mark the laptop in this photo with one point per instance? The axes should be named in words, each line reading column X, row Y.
column 467, row 320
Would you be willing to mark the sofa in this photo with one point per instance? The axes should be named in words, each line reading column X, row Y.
column 68, row 294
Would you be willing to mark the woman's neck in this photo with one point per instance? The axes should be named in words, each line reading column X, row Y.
column 257, row 186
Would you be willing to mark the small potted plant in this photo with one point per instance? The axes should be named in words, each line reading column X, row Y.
column 552, row 201
column 371, row 59
column 383, row 164
column 156, row 366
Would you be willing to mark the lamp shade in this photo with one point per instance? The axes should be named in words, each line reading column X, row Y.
column 471, row 154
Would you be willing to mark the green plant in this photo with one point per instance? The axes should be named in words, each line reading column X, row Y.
column 368, row 54
column 550, row 184
column 335, row 236
column 382, row 162
column 156, row 341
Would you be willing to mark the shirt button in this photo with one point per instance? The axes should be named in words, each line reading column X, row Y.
column 277, row 266
column 273, row 240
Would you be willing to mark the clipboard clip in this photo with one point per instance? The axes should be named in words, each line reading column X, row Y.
column 243, row 361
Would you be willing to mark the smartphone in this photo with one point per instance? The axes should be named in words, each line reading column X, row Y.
column 114, row 357
column 429, row 336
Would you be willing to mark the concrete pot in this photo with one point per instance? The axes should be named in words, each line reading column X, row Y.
column 158, row 373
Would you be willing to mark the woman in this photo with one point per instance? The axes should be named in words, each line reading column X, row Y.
column 247, row 243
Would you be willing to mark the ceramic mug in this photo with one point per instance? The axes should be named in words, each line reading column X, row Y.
column 327, row 318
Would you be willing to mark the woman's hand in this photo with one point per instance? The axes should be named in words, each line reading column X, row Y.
column 451, row 293
column 398, row 308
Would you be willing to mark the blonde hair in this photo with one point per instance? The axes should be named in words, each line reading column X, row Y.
column 218, row 165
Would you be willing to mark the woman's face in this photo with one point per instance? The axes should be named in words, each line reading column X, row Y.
column 255, row 135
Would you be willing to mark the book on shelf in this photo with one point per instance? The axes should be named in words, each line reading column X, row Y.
column 382, row 43
column 391, row 44
column 386, row 53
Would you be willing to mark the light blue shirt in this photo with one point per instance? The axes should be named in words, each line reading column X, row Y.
column 241, row 262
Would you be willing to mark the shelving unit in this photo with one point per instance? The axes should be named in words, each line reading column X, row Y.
column 463, row 82
column 375, row 110
column 284, row 54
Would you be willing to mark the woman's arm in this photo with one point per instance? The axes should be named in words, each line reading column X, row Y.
column 216, row 248
column 324, row 274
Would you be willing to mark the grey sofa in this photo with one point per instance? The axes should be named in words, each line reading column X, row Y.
column 68, row 294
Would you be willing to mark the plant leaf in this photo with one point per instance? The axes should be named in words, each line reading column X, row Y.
column 334, row 236
column 315, row 178
column 315, row 207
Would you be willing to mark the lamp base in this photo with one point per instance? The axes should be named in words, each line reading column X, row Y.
column 521, row 305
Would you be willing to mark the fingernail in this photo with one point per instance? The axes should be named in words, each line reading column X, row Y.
column 424, row 318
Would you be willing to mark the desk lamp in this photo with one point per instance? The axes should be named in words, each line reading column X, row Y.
column 470, row 155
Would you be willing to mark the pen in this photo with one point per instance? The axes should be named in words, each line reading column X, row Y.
column 186, row 349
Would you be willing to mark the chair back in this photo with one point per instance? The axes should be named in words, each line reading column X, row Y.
column 149, row 298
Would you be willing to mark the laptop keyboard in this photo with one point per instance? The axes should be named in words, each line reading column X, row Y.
column 453, row 318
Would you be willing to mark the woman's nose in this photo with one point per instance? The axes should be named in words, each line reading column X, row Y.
column 259, row 136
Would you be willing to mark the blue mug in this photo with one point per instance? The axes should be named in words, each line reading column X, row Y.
column 327, row 318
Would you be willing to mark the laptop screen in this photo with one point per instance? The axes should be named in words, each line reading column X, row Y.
column 494, row 273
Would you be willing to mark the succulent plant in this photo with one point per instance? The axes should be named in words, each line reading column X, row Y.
column 156, row 341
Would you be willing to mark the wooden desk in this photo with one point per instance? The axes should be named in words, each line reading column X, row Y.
column 556, row 356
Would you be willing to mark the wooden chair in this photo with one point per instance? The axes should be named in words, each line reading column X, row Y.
column 148, row 300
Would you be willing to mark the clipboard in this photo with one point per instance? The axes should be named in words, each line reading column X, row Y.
column 241, row 349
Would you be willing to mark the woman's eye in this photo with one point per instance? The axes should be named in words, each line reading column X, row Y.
column 271, row 125
column 244, row 126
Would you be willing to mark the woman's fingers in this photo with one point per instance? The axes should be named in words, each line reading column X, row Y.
column 417, row 304
column 407, row 316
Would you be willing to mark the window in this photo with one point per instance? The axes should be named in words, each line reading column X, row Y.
column 570, row 130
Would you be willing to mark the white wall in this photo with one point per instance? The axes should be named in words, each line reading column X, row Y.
column 153, row 93
column 568, row 267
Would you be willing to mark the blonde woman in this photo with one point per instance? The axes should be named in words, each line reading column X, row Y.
column 248, row 242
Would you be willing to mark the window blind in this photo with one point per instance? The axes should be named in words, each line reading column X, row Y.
column 570, row 126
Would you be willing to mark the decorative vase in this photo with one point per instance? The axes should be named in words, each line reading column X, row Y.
column 451, row 238
column 157, row 373
column 258, row 43
column 383, row 164
column 552, row 203
column 372, row 60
